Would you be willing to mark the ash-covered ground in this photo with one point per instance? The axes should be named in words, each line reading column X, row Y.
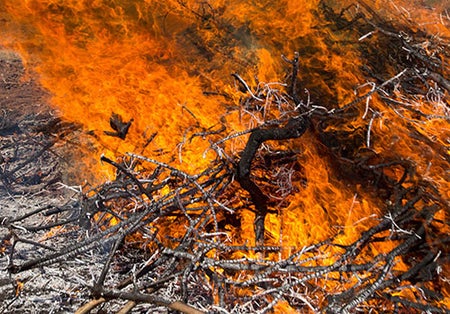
column 35, row 173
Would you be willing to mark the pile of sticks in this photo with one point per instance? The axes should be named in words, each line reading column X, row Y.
column 162, row 231
column 177, row 255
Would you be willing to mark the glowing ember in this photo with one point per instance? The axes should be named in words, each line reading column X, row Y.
column 127, row 69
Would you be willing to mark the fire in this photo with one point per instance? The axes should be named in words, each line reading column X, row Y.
column 167, row 66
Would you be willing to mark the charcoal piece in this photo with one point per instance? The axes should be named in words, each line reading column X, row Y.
column 119, row 126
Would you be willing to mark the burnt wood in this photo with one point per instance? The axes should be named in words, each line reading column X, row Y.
column 294, row 128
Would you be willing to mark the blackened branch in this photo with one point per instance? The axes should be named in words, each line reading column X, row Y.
column 119, row 126
column 293, row 86
column 294, row 128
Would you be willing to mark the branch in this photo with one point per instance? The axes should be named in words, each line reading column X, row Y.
column 294, row 128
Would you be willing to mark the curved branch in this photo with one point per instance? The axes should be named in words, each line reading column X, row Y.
column 294, row 128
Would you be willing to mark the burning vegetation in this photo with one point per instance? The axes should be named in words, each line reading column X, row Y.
column 259, row 157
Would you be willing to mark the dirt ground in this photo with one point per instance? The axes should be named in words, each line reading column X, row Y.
column 34, row 174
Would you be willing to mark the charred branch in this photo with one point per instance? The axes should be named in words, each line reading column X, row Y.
column 293, row 129
column 119, row 126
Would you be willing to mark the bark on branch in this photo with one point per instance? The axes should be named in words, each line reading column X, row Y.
column 294, row 128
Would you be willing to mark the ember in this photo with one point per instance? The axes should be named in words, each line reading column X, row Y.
column 252, row 157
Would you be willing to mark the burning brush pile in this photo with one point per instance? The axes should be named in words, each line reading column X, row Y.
column 314, row 181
